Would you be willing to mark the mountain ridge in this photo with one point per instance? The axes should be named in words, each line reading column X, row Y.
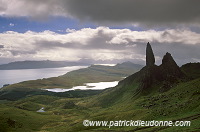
column 39, row 64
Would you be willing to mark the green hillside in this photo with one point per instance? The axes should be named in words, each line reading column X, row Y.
column 181, row 102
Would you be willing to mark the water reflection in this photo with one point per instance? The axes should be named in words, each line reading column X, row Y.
column 88, row 86
column 16, row 76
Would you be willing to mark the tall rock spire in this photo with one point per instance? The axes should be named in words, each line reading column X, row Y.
column 150, row 59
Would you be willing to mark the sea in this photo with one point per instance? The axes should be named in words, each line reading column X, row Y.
column 16, row 76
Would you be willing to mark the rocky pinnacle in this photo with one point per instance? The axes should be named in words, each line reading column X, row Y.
column 150, row 59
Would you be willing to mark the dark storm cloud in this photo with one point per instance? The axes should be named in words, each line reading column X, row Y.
column 147, row 12
column 1, row 46
column 154, row 12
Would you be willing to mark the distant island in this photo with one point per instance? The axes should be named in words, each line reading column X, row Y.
column 39, row 64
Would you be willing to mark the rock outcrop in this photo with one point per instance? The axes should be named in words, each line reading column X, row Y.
column 150, row 59
column 166, row 75
column 169, row 67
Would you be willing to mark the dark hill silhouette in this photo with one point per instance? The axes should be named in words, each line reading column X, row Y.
column 191, row 70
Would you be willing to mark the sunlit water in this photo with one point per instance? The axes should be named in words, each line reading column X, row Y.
column 41, row 110
column 88, row 86
column 106, row 64
column 16, row 76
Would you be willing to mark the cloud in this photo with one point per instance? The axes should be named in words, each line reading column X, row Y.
column 1, row 46
column 3, row 6
column 136, row 12
column 37, row 9
column 149, row 12
column 11, row 24
column 100, row 44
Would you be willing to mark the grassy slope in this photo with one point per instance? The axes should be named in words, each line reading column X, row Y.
column 94, row 73
column 64, row 114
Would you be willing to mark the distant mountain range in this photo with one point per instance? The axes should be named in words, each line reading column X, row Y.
column 39, row 64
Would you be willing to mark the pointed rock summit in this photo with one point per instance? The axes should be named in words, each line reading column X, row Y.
column 150, row 59
column 168, row 60
column 169, row 66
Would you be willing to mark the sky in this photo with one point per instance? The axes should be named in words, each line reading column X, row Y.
column 99, row 31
